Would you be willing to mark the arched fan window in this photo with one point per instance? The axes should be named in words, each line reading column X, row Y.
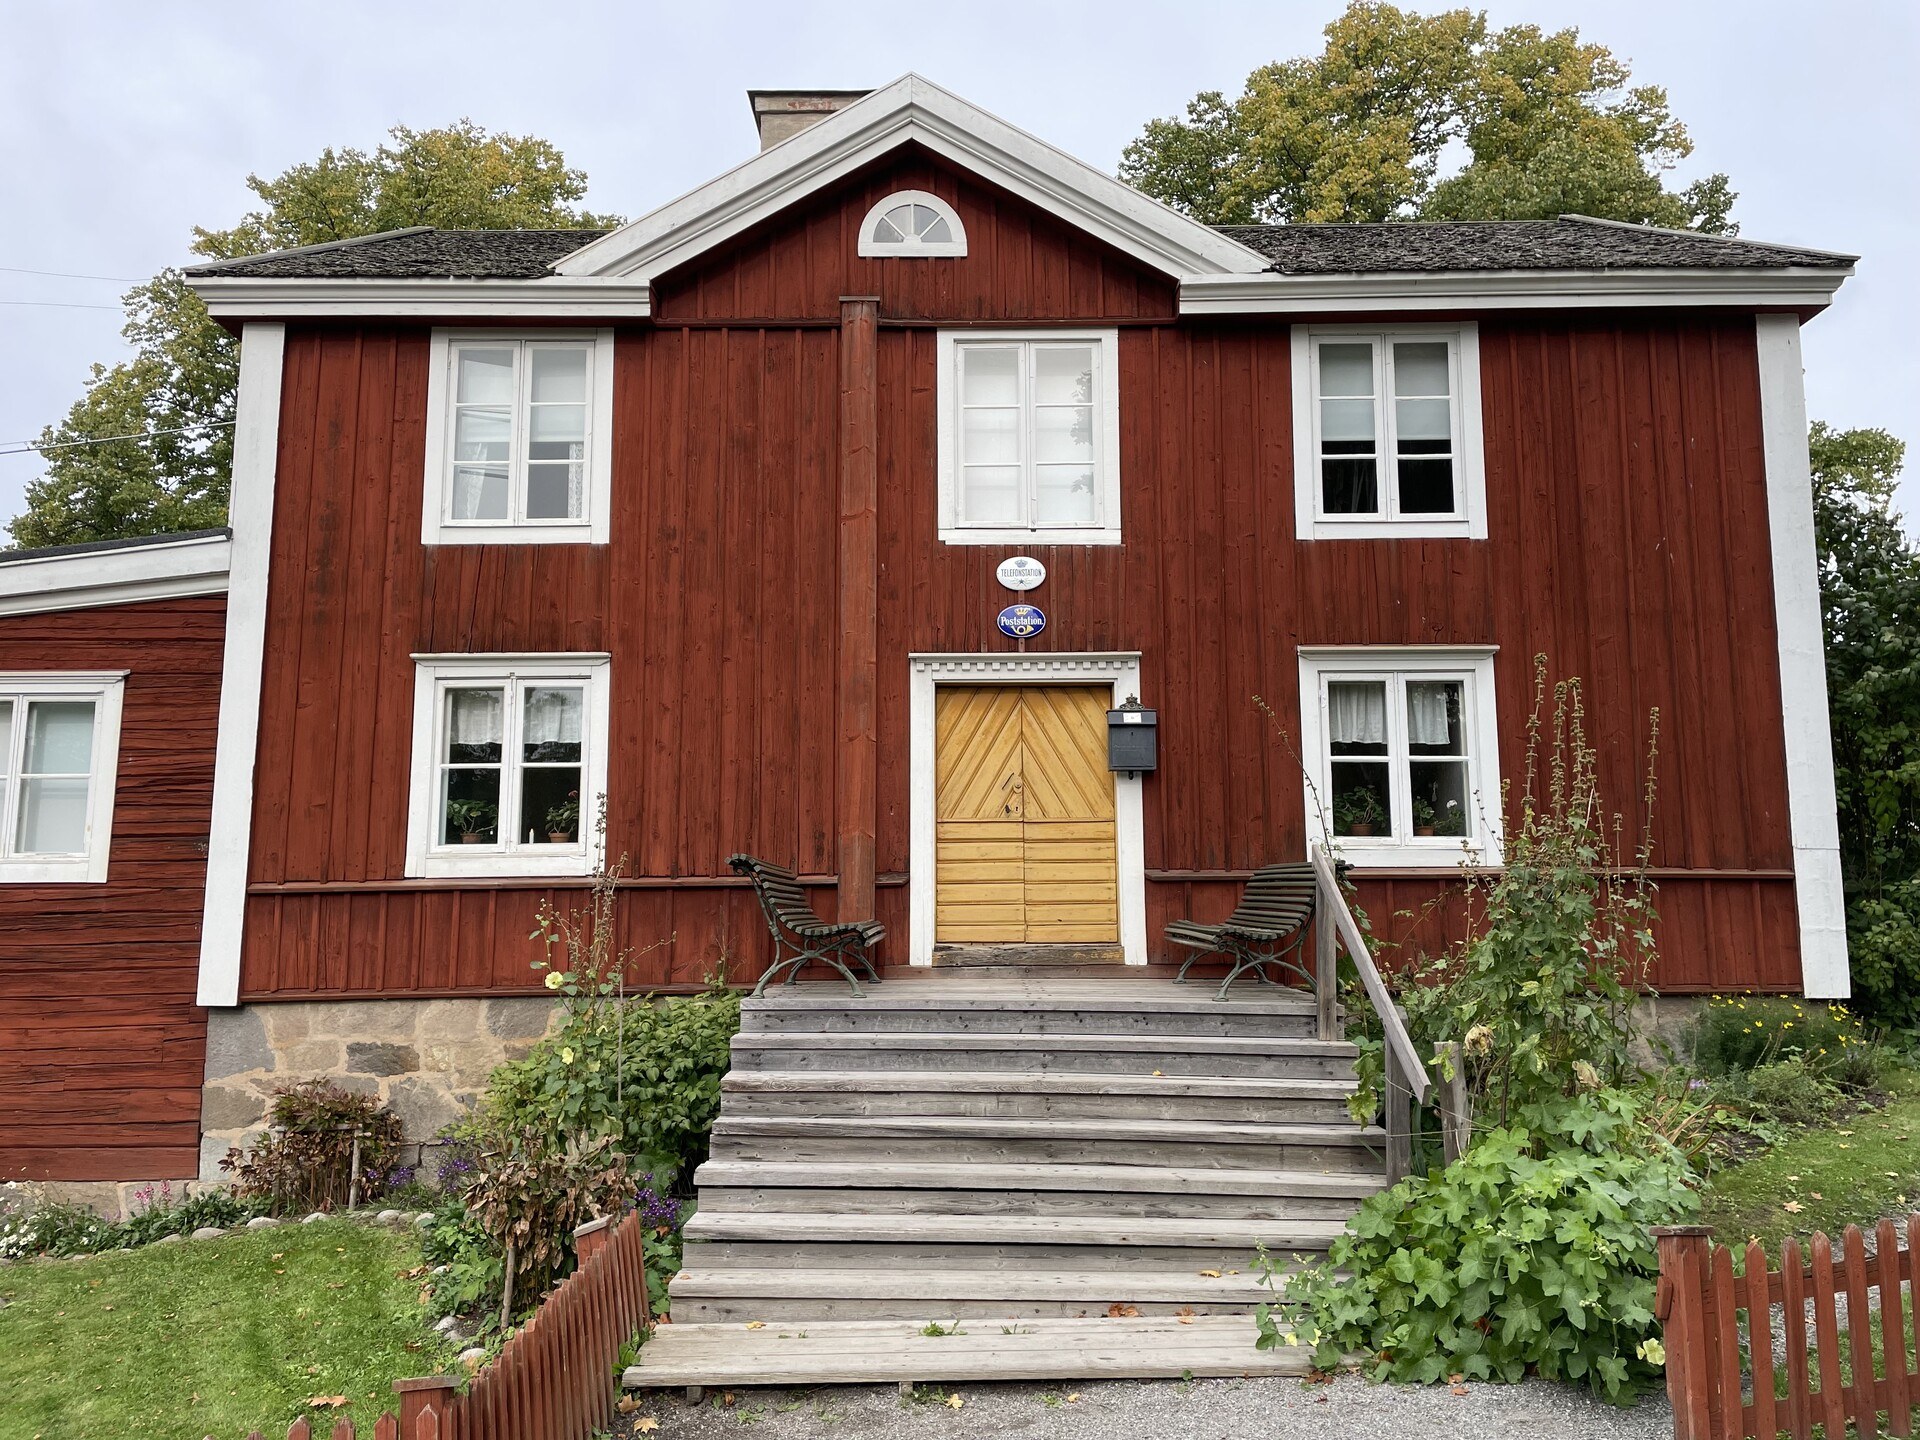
column 912, row 223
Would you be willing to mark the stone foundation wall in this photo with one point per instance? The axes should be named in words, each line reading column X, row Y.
column 426, row 1060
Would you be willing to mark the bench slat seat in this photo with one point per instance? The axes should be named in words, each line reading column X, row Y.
column 1264, row 932
column 795, row 926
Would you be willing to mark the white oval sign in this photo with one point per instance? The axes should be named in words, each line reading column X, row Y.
column 1021, row 572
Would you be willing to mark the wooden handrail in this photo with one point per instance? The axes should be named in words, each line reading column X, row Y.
column 1400, row 1049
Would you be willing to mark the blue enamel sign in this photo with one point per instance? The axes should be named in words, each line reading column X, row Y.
column 1022, row 622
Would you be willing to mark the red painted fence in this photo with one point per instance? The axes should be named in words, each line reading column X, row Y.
column 1722, row 1374
column 554, row 1380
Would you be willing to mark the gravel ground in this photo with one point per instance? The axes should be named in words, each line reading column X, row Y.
column 1348, row 1408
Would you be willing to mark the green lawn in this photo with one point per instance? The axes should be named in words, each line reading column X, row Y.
column 213, row 1337
column 1849, row 1173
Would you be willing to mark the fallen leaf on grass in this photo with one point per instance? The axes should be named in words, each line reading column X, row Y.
column 646, row 1424
column 328, row 1402
column 1793, row 1207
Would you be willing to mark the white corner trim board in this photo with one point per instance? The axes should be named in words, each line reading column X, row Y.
column 1811, row 805
column 123, row 575
column 1122, row 671
column 256, row 444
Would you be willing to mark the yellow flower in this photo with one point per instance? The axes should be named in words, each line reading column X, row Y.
column 555, row 980
column 566, row 1055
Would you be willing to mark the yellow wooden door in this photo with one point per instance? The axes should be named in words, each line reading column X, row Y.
column 1024, row 816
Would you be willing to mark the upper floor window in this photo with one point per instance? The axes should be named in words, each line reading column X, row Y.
column 59, row 759
column 1029, row 438
column 517, row 446
column 912, row 222
column 509, row 762
column 1387, row 436
column 1401, row 747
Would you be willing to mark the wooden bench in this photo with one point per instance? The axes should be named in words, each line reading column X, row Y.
column 795, row 926
column 1265, row 929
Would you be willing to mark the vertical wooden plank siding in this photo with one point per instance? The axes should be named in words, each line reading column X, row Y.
column 859, row 750
column 1628, row 542
column 102, row 1048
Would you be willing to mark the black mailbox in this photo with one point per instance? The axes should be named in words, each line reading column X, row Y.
column 1131, row 737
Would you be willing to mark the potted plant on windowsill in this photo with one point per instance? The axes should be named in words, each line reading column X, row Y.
column 474, row 819
column 564, row 819
column 1424, row 817
column 1450, row 819
column 1357, row 812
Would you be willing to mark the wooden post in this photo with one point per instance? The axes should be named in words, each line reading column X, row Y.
column 1326, row 971
column 858, row 760
column 426, row 1407
column 591, row 1238
column 1681, row 1309
column 1398, row 1116
column 1456, row 1110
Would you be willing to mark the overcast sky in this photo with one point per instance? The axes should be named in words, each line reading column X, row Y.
column 123, row 125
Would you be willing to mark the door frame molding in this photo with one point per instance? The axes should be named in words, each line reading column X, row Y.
column 1118, row 669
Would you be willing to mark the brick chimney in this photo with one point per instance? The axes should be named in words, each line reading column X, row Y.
column 782, row 114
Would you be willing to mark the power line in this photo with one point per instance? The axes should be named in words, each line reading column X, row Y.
column 60, row 304
column 30, row 447
column 70, row 275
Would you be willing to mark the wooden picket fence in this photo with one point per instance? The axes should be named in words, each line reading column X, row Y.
column 1719, row 1395
column 554, row 1380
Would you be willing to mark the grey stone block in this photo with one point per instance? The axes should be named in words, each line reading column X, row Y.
column 519, row 1019
column 387, row 1217
column 236, row 1043
column 382, row 1059
column 423, row 1107
column 223, row 1108
column 169, row 1240
column 262, row 1222
column 316, row 1215
column 208, row 1232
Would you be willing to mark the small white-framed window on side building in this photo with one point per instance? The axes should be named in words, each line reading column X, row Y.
column 1403, row 753
column 517, row 445
column 509, row 764
column 59, row 762
column 1386, row 433
column 910, row 223
column 1029, row 437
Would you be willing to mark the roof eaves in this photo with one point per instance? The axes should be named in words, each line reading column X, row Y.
column 1703, row 235
column 126, row 542
column 214, row 267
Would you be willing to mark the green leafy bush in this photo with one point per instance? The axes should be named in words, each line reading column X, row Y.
column 1743, row 1032
column 29, row 1226
column 1788, row 1092
column 305, row 1160
column 1531, row 1253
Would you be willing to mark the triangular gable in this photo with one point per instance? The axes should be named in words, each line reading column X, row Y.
column 911, row 109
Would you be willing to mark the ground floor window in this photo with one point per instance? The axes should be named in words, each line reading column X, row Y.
column 1401, row 753
column 59, row 753
column 509, row 762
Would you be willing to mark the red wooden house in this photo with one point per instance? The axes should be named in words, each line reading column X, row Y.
column 706, row 516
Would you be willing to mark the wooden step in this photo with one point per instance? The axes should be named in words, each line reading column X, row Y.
column 1117, row 1191
column 701, row 1296
column 886, row 1352
column 1015, row 1018
column 1196, row 1144
column 1037, row 1093
column 1059, row 960
column 1214, row 1055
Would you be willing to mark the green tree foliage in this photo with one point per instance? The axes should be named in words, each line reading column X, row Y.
column 185, row 368
column 1870, row 595
column 1358, row 132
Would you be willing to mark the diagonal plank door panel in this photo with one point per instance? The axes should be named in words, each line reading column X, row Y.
column 979, row 796
column 1071, row 886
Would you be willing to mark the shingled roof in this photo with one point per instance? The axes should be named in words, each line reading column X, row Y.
column 1572, row 242
column 419, row 253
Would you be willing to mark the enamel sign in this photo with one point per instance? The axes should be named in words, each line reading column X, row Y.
column 1022, row 622
column 1021, row 572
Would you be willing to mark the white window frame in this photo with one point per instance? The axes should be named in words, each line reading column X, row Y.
column 433, row 676
column 593, row 528
column 1469, row 520
column 914, row 247
column 1105, row 529
column 87, row 866
column 1470, row 664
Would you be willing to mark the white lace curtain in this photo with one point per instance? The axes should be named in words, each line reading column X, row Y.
column 473, row 717
column 553, row 717
column 1357, row 713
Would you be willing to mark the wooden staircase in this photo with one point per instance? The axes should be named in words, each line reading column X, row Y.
column 1074, row 1170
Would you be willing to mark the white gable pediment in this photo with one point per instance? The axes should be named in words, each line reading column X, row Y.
column 911, row 109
